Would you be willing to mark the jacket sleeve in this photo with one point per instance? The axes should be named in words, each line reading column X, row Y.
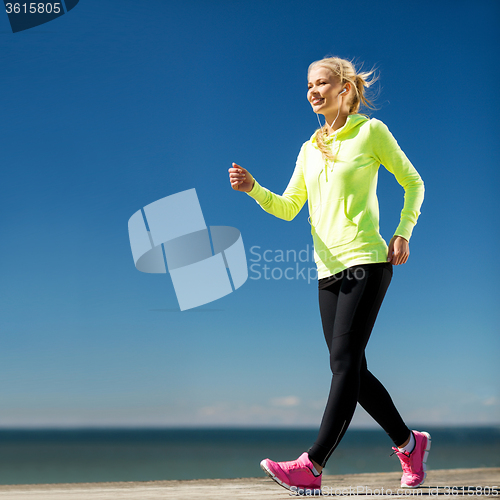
column 389, row 154
column 289, row 204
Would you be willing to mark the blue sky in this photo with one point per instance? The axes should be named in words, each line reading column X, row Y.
column 120, row 103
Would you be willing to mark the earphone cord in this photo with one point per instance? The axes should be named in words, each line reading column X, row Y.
column 309, row 219
column 331, row 126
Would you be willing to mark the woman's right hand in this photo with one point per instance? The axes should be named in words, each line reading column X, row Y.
column 241, row 179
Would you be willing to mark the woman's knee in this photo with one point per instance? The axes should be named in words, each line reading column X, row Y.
column 345, row 365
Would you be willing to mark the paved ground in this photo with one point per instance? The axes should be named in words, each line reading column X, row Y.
column 439, row 484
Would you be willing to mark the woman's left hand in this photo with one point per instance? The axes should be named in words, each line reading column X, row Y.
column 399, row 250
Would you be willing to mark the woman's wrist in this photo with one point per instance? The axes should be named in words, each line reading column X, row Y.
column 399, row 236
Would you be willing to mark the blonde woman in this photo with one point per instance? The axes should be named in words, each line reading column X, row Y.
column 336, row 172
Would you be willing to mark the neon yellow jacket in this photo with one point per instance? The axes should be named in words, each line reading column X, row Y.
column 342, row 198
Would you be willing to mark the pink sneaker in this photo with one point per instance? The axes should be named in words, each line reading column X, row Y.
column 295, row 475
column 414, row 469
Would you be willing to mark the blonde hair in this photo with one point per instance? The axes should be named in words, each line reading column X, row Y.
column 346, row 72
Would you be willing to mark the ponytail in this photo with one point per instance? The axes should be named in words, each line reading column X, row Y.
column 346, row 73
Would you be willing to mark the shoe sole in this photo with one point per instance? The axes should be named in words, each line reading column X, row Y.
column 263, row 466
column 424, row 460
column 298, row 490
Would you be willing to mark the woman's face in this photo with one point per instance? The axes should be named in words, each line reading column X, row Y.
column 323, row 90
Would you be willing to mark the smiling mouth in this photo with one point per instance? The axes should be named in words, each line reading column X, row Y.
column 317, row 101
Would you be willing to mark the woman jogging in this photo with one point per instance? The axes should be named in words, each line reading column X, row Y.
column 336, row 172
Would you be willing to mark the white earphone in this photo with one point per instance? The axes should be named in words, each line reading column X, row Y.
column 343, row 92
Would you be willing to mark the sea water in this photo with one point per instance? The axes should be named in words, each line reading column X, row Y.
column 95, row 455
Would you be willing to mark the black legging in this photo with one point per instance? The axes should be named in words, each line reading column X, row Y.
column 349, row 307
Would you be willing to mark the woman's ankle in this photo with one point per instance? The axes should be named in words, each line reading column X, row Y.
column 318, row 467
